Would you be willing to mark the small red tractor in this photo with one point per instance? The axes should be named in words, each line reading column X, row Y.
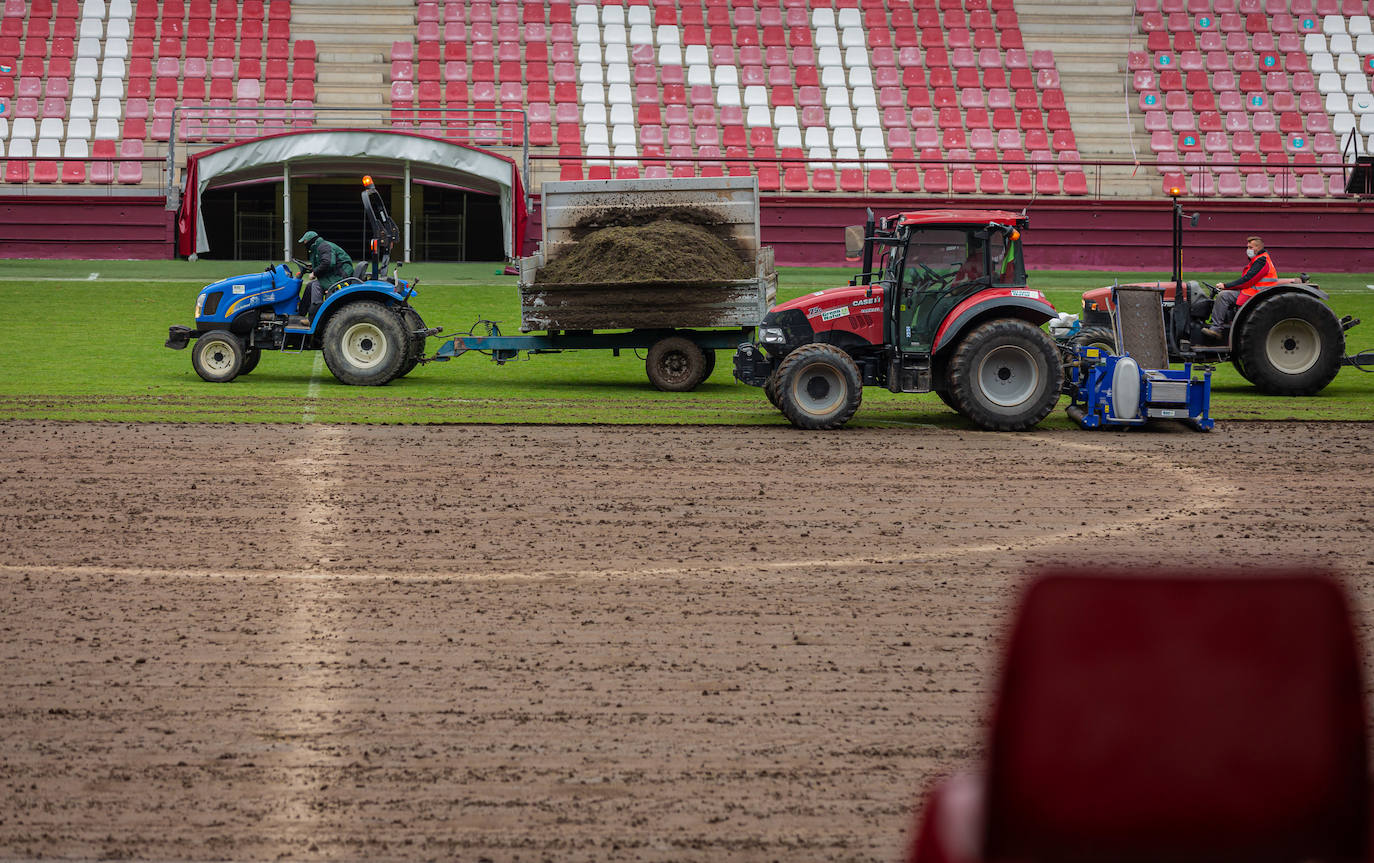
column 941, row 305
column 1285, row 339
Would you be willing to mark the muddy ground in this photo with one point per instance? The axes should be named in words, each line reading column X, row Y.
column 567, row 643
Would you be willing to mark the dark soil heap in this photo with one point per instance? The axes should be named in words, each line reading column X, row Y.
column 661, row 250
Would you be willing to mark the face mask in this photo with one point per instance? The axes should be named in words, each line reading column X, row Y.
column 1249, row 253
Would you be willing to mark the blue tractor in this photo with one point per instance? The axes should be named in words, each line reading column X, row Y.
column 366, row 327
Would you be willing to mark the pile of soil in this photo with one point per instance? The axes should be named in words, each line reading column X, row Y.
column 661, row 250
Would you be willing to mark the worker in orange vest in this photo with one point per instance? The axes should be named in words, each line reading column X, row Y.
column 1259, row 275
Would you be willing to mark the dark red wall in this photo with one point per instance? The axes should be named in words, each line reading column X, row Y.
column 1076, row 234
column 86, row 227
column 1317, row 237
column 1070, row 234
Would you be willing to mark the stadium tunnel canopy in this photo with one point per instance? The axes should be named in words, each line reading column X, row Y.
column 351, row 152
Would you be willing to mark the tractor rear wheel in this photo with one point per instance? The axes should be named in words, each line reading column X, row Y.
column 1290, row 346
column 1101, row 338
column 364, row 344
column 818, row 387
column 250, row 360
column 676, row 364
column 1005, row 375
column 415, row 349
column 218, row 356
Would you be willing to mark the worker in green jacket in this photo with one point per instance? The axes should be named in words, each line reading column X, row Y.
column 330, row 266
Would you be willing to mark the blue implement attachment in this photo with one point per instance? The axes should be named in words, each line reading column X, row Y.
column 1137, row 386
column 1110, row 391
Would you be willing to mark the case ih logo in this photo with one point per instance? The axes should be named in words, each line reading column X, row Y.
column 867, row 302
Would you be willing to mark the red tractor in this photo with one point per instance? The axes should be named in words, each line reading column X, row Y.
column 946, row 310
column 1285, row 339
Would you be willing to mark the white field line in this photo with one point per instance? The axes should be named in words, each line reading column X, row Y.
column 312, row 392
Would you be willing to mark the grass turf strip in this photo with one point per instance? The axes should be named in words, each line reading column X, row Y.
column 83, row 348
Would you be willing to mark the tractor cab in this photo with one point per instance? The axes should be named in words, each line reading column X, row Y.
column 938, row 259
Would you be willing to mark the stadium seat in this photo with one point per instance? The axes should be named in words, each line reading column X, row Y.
column 1213, row 718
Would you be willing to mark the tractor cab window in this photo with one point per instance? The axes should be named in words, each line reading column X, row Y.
column 1008, row 268
column 941, row 267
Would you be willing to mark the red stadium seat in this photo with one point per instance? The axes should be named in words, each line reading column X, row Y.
column 1217, row 733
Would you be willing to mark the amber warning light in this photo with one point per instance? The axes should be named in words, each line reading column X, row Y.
column 367, row 179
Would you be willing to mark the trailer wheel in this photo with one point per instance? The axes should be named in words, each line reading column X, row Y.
column 364, row 344
column 1290, row 346
column 411, row 320
column 1006, row 375
column 818, row 387
column 250, row 360
column 1101, row 338
column 710, row 362
column 218, row 356
column 676, row 364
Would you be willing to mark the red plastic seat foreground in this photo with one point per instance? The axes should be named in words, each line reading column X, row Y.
column 1168, row 719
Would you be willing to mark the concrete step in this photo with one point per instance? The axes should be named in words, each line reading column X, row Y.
column 329, row 77
column 352, row 58
column 364, row 20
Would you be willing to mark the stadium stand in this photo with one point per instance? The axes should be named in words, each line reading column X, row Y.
column 870, row 97
column 1228, row 98
column 99, row 81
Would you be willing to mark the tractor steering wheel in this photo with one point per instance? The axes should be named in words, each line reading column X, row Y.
column 302, row 264
column 1211, row 290
column 928, row 274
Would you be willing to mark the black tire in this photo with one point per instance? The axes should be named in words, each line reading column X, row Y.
column 411, row 320
column 710, row 363
column 1005, row 375
column 364, row 344
column 250, row 360
column 218, row 356
column 1100, row 337
column 770, row 389
column 1290, row 346
column 676, row 364
column 818, row 387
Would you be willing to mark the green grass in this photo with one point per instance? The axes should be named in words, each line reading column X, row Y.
column 84, row 342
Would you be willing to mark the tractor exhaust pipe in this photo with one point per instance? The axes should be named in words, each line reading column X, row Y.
column 868, row 247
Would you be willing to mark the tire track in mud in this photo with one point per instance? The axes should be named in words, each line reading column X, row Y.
column 318, row 516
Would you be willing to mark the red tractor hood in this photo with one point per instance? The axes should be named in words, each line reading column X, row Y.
column 856, row 310
column 1100, row 299
column 833, row 298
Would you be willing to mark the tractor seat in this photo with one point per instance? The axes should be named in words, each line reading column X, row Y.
column 360, row 271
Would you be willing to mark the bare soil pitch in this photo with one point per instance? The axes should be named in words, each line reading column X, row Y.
column 567, row 643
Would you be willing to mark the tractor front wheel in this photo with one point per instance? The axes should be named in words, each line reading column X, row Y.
column 218, row 356
column 365, row 344
column 415, row 345
column 1101, row 338
column 770, row 389
column 1005, row 375
column 818, row 387
column 1290, row 346
column 250, row 360
column 676, row 364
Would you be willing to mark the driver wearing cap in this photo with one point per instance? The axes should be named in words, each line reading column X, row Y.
column 330, row 265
